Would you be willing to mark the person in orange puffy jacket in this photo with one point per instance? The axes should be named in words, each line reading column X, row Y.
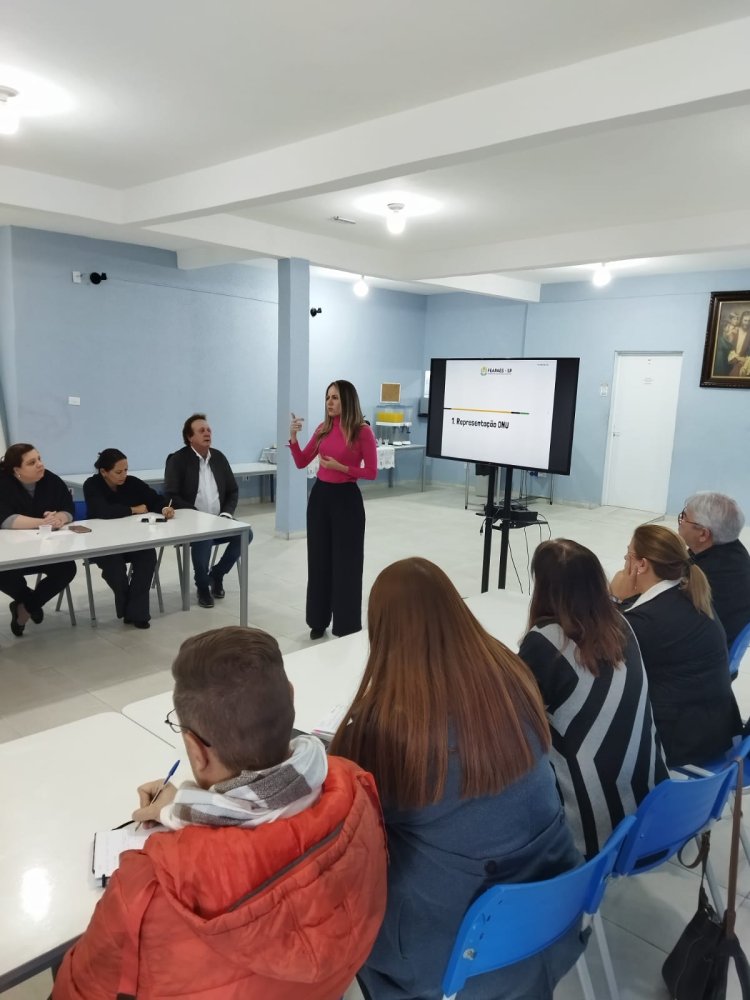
column 270, row 878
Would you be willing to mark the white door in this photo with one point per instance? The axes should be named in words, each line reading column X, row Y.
column 641, row 431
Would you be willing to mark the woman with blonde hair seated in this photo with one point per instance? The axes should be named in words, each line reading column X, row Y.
column 451, row 724
column 667, row 601
column 586, row 660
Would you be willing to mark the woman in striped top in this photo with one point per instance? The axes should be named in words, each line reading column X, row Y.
column 585, row 657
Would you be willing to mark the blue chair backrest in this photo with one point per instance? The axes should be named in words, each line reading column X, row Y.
column 671, row 814
column 80, row 511
column 511, row 922
column 739, row 647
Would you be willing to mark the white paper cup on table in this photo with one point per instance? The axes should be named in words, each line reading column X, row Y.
column 152, row 518
column 45, row 529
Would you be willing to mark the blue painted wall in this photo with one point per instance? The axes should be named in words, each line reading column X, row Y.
column 469, row 326
column 153, row 344
column 647, row 314
column 142, row 351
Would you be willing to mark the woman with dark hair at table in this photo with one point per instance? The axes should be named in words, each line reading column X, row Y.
column 584, row 655
column 112, row 493
column 31, row 496
column 451, row 724
column 347, row 451
column 667, row 601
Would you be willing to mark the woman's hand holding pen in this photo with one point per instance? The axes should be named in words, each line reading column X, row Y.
column 153, row 796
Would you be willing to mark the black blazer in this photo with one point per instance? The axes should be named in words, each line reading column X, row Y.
column 685, row 656
column 727, row 568
column 103, row 502
column 50, row 493
column 181, row 479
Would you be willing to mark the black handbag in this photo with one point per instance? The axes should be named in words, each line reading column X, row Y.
column 698, row 966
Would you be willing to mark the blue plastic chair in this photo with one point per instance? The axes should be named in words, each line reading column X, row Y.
column 673, row 813
column 511, row 922
column 739, row 647
column 737, row 752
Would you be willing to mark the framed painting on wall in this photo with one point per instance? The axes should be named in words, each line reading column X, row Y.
column 726, row 356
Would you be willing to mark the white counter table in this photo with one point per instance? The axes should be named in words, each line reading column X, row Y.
column 241, row 470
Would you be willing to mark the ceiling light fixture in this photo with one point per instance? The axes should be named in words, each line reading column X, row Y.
column 8, row 114
column 396, row 221
column 361, row 288
column 602, row 275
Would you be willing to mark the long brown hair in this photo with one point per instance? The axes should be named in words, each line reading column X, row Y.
column 670, row 560
column 435, row 677
column 571, row 588
column 352, row 418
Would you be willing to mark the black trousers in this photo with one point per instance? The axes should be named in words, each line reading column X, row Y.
column 335, row 556
column 56, row 577
column 131, row 597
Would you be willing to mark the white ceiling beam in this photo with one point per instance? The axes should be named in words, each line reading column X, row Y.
column 698, row 70
column 698, row 234
column 262, row 240
column 44, row 193
column 192, row 258
column 490, row 284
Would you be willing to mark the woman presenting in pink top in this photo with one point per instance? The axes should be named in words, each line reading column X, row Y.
column 347, row 451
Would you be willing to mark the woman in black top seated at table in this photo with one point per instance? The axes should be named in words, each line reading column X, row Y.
column 667, row 601
column 113, row 493
column 30, row 496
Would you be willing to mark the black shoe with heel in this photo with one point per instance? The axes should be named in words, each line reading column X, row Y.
column 15, row 626
column 217, row 584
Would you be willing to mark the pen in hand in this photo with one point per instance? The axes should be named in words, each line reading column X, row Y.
column 164, row 784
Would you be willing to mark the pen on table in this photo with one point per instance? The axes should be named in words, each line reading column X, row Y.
column 172, row 770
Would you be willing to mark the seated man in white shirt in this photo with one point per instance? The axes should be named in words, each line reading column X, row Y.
column 201, row 478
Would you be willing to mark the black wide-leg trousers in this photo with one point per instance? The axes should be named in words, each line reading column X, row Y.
column 131, row 596
column 335, row 557
column 56, row 577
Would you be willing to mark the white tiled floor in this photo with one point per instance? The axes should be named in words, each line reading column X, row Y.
column 56, row 674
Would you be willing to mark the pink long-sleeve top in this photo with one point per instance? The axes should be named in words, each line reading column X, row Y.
column 363, row 450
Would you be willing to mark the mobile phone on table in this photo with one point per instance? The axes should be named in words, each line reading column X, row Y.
column 80, row 529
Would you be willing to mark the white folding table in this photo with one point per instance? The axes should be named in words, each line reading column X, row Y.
column 59, row 787
column 26, row 549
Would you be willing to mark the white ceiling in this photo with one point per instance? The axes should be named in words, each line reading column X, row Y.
column 553, row 134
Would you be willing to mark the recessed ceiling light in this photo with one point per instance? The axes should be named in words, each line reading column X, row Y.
column 602, row 276
column 37, row 97
column 397, row 206
column 396, row 221
column 8, row 112
column 361, row 288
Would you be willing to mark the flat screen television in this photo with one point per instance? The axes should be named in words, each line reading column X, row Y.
column 517, row 412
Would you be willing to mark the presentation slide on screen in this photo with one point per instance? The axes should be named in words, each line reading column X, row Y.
column 499, row 412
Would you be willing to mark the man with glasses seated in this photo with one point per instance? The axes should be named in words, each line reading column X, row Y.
column 270, row 878
column 710, row 524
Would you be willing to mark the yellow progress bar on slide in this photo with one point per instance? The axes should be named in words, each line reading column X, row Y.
column 469, row 409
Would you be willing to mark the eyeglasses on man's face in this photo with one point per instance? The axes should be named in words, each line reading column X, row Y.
column 682, row 518
column 176, row 727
